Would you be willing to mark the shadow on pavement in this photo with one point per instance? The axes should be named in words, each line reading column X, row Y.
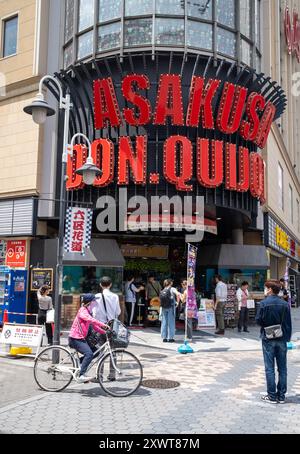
column 97, row 391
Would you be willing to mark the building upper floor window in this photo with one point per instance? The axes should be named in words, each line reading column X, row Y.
column 291, row 204
column 280, row 187
column 9, row 36
column 227, row 28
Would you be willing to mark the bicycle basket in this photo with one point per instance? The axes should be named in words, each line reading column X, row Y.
column 120, row 337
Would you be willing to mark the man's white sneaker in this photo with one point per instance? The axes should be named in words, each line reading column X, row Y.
column 83, row 379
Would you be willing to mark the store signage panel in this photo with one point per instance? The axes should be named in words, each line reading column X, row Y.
column 78, row 229
column 16, row 254
column 157, row 251
column 218, row 162
column 281, row 241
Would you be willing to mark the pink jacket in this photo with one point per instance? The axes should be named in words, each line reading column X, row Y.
column 82, row 322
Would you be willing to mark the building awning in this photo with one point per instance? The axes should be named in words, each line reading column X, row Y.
column 234, row 256
column 103, row 252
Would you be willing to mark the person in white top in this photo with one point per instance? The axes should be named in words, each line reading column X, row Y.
column 107, row 306
column 221, row 298
column 130, row 298
column 242, row 295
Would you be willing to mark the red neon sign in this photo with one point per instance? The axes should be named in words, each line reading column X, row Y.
column 292, row 33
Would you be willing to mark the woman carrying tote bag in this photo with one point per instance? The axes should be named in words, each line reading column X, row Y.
column 45, row 303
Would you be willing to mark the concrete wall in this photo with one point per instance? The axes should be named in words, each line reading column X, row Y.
column 284, row 141
column 21, row 139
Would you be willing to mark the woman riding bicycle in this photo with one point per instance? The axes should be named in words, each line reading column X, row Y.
column 79, row 331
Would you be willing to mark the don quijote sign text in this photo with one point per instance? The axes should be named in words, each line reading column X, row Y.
column 218, row 162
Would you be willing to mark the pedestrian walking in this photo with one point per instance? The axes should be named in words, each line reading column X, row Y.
column 169, row 298
column 242, row 296
column 106, row 306
column 283, row 293
column 221, row 298
column 274, row 318
column 45, row 303
column 79, row 331
column 130, row 298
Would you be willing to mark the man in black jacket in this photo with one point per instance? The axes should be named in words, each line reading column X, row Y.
column 275, row 311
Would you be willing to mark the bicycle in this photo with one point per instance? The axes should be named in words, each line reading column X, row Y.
column 119, row 372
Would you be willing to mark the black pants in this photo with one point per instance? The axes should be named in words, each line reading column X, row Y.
column 243, row 319
column 42, row 321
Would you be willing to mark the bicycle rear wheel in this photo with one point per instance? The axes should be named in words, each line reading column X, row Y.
column 127, row 380
column 53, row 368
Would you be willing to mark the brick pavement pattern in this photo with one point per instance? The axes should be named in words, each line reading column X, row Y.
column 219, row 393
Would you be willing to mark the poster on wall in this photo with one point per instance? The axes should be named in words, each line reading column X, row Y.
column 191, row 271
column 230, row 305
column 40, row 277
column 2, row 251
column 206, row 314
column 16, row 254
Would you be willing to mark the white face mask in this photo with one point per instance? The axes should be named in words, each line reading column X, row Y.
column 266, row 291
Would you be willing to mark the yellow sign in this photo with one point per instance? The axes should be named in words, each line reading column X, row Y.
column 282, row 239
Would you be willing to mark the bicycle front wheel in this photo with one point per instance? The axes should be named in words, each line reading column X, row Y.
column 123, row 379
column 53, row 368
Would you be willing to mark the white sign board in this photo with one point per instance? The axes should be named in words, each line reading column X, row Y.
column 27, row 335
column 206, row 314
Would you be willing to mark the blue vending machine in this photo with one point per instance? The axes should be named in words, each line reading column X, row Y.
column 13, row 292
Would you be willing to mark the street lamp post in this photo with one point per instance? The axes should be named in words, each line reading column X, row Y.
column 40, row 109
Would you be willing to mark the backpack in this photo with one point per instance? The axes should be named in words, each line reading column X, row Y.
column 165, row 298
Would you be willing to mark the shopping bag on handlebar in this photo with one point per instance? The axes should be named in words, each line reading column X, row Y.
column 120, row 337
column 94, row 339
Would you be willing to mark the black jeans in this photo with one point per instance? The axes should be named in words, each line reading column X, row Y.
column 243, row 319
column 42, row 321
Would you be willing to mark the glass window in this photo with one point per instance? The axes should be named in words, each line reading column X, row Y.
column 85, row 45
column 138, row 7
column 109, row 36
column 226, row 42
column 200, row 35
column 202, row 10
column 68, row 55
column 138, row 31
column 291, row 204
column 257, row 22
column 258, row 63
column 85, row 279
column 280, row 187
column 86, row 14
column 246, row 52
column 69, row 19
column 169, row 31
column 109, row 10
column 226, row 12
column 245, row 21
column 10, row 35
column 170, row 7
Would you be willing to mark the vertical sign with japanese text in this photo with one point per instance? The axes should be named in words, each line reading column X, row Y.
column 191, row 304
column 78, row 229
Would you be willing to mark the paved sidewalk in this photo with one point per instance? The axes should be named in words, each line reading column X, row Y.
column 218, row 393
